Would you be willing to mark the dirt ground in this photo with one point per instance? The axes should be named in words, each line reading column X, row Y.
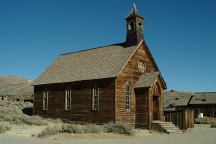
column 201, row 134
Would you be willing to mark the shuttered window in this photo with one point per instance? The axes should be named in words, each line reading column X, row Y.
column 128, row 96
column 45, row 99
column 95, row 97
column 68, row 99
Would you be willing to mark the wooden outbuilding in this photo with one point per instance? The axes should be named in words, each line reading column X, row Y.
column 204, row 102
column 115, row 83
column 182, row 108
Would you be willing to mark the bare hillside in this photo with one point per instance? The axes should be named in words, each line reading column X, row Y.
column 12, row 85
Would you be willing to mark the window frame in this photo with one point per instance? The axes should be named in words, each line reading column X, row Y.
column 95, row 97
column 128, row 97
column 45, row 99
column 68, row 95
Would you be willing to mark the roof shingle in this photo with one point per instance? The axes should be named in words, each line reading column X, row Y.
column 98, row 63
column 204, row 98
column 147, row 79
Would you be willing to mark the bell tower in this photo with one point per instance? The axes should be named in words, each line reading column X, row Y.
column 134, row 24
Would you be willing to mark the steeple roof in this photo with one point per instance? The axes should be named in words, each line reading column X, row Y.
column 134, row 13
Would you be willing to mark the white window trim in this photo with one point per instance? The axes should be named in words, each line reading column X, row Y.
column 45, row 96
column 95, row 97
column 67, row 92
column 128, row 97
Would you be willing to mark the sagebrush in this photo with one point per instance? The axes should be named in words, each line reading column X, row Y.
column 12, row 112
column 4, row 128
column 205, row 120
column 87, row 129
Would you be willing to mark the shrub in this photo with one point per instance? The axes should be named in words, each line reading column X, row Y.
column 205, row 120
column 82, row 129
column 65, row 128
column 49, row 131
column 93, row 128
column 15, row 115
column 4, row 128
column 118, row 128
column 87, row 129
column 213, row 126
column 73, row 128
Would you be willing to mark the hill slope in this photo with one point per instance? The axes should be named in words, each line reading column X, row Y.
column 12, row 85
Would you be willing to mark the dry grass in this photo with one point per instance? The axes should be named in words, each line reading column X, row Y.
column 87, row 129
column 49, row 131
column 12, row 112
column 4, row 128
column 15, row 116
column 118, row 128
column 205, row 120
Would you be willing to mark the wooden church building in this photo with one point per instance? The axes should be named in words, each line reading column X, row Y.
column 114, row 83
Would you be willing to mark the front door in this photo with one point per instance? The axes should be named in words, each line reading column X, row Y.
column 156, row 108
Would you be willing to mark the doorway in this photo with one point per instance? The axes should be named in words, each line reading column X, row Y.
column 156, row 110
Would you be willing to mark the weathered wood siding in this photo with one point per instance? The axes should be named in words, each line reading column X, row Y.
column 208, row 110
column 130, row 73
column 142, row 108
column 81, row 101
column 182, row 119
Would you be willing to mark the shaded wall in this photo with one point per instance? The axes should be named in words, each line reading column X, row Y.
column 81, row 101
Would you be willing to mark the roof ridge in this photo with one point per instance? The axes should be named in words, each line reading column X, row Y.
column 117, row 44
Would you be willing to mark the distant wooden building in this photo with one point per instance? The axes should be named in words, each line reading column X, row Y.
column 200, row 102
column 204, row 102
column 119, row 83
column 182, row 108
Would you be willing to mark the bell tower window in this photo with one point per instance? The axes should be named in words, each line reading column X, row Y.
column 131, row 26
column 140, row 25
column 134, row 27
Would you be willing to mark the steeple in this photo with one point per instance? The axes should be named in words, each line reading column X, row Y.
column 134, row 23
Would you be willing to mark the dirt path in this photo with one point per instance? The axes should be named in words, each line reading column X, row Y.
column 201, row 134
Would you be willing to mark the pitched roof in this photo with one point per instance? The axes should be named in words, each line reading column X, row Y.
column 147, row 79
column 204, row 98
column 174, row 101
column 97, row 63
column 177, row 98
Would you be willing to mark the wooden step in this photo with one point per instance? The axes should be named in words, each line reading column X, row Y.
column 167, row 127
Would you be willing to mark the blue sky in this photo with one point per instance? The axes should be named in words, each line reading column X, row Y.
column 181, row 34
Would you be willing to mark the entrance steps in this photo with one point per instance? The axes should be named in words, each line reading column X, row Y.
column 167, row 127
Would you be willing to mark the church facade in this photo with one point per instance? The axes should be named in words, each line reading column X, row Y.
column 115, row 83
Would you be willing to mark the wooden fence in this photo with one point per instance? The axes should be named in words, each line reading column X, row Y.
column 182, row 119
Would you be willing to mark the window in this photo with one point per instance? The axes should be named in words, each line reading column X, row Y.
column 140, row 26
column 214, row 111
column 68, row 99
column 128, row 96
column 131, row 26
column 45, row 99
column 95, row 97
